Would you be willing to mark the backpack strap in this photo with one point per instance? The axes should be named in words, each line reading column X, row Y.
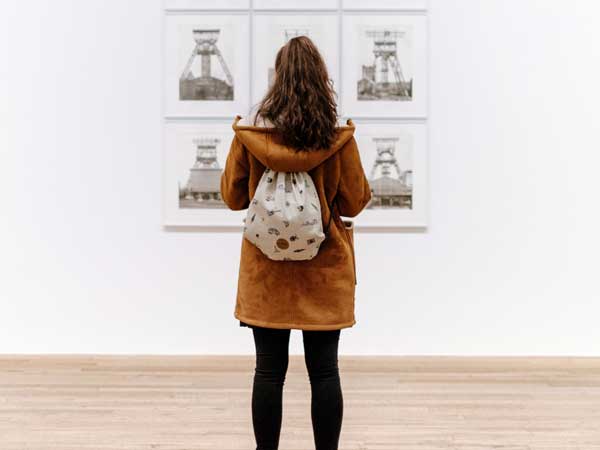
column 333, row 200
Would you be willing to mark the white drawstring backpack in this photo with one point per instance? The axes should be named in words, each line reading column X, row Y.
column 284, row 216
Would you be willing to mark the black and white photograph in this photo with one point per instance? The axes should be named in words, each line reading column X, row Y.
column 384, row 65
column 194, row 157
column 200, row 188
column 202, row 79
column 387, row 77
column 394, row 157
column 206, row 57
column 272, row 31
column 390, row 171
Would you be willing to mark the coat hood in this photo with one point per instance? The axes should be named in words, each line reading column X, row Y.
column 263, row 143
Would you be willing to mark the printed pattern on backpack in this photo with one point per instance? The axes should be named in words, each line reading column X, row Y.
column 284, row 216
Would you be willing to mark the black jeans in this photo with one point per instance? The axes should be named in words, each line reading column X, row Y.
column 321, row 357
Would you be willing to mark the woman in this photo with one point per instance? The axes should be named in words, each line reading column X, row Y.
column 295, row 128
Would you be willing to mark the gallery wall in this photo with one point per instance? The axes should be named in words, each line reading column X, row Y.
column 508, row 265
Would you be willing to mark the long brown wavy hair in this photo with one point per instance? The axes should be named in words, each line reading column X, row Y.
column 301, row 103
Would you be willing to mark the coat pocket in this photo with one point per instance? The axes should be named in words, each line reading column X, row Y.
column 349, row 230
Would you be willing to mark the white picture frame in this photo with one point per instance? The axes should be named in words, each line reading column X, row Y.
column 271, row 32
column 397, row 5
column 214, row 84
column 295, row 4
column 194, row 5
column 365, row 91
column 191, row 179
column 399, row 200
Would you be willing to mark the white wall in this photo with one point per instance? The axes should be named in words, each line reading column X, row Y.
column 509, row 265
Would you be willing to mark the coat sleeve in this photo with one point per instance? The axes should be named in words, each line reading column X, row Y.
column 354, row 191
column 234, row 179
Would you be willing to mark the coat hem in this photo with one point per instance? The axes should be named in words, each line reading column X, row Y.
column 295, row 326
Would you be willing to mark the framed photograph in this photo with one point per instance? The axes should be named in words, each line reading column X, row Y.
column 206, row 65
column 194, row 159
column 394, row 156
column 272, row 31
column 190, row 5
column 402, row 5
column 295, row 4
column 384, row 65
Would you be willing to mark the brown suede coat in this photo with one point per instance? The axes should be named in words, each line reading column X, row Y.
column 315, row 294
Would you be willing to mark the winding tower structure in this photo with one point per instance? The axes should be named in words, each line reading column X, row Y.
column 389, row 189
column 203, row 186
column 384, row 79
column 205, row 86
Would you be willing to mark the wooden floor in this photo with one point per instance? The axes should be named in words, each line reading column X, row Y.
column 390, row 403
